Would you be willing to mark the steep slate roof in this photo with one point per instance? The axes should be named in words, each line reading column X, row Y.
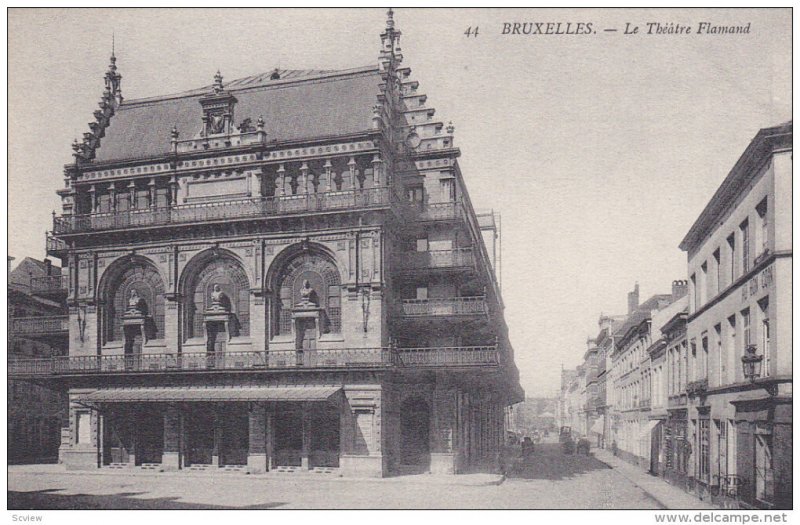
column 300, row 105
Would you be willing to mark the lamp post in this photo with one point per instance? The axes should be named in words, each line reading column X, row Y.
column 751, row 368
column 751, row 363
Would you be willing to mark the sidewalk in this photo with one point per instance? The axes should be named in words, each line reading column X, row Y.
column 464, row 480
column 669, row 496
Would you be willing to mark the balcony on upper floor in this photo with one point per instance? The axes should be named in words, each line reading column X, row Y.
column 443, row 308
column 438, row 211
column 273, row 361
column 456, row 259
column 50, row 285
column 45, row 326
column 226, row 210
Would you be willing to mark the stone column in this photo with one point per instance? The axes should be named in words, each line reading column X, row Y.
column 92, row 199
column 171, row 457
column 328, row 175
column 281, row 180
column 112, row 192
column 257, row 457
column 302, row 184
column 306, row 429
column 152, row 187
column 173, row 191
column 351, row 165
column 215, row 453
column 131, row 195
column 377, row 170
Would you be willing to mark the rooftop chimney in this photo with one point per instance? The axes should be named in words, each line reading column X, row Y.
column 633, row 299
column 679, row 289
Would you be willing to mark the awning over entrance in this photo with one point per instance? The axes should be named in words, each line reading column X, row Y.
column 187, row 394
column 649, row 426
column 597, row 427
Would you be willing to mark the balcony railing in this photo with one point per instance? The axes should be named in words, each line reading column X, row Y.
column 434, row 259
column 445, row 307
column 50, row 284
column 448, row 356
column 438, row 211
column 54, row 244
column 50, row 325
column 224, row 210
column 223, row 361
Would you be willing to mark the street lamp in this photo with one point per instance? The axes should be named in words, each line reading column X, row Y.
column 751, row 363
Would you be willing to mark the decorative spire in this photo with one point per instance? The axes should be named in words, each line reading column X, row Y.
column 390, row 39
column 450, row 128
column 218, row 82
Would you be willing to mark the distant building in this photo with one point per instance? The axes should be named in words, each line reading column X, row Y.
column 740, row 306
column 37, row 328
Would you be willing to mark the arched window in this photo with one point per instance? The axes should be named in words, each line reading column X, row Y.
column 226, row 272
column 323, row 277
column 121, row 280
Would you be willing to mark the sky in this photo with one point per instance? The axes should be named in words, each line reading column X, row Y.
column 599, row 151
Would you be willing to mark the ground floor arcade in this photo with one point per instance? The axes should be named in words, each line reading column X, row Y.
column 375, row 429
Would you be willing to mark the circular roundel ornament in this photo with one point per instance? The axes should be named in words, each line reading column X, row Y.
column 413, row 140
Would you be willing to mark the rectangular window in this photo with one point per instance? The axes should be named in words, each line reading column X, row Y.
column 761, row 209
column 746, row 341
column 693, row 375
column 722, row 359
column 448, row 188
column 732, row 258
column 422, row 244
column 422, row 292
column 717, row 272
column 415, row 194
column 694, row 293
column 722, row 450
column 704, row 359
column 730, row 350
column 705, row 450
column 745, row 229
column 83, row 428
column 765, row 345
column 703, row 284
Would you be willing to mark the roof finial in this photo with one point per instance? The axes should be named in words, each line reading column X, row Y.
column 218, row 82
column 112, row 66
column 389, row 19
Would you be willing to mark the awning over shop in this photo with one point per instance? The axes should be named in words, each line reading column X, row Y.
column 649, row 426
column 598, row 425
column 187, row 394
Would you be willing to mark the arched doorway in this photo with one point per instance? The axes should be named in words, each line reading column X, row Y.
column 415, row 431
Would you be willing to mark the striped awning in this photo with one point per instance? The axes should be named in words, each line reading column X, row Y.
column 177, row 394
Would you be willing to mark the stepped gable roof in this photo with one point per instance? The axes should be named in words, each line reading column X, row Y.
column 300, row 105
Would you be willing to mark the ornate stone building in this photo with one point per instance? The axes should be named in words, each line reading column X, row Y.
column 281, row 272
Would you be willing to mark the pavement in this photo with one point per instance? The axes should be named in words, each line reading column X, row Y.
column 546, row 480
column 670, row 496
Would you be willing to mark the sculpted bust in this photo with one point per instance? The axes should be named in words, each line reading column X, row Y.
column 135, row 306
column 308, row 296
column 219, row 300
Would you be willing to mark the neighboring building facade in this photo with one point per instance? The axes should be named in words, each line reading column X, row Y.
column 601, row 428
column 37, row 328
column 632, row 376
column 282, row 272
column 740, row 304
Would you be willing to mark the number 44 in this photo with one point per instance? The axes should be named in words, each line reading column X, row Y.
column 469, row 32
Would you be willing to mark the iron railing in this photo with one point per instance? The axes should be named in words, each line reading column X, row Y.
column 224, row 210
column 225, row 361
column 50, row 284
column 54, row 244
column 445, row 307
column 458, row 258
column 439, row 211
column 53, row 324
column 448, row 356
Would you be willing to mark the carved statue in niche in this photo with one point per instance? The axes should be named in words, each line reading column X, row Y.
column 216, row 124
column 220, row 302
column 136, row 305
column 308, row 296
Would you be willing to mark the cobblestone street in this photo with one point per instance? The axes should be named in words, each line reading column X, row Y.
column 548, row 480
